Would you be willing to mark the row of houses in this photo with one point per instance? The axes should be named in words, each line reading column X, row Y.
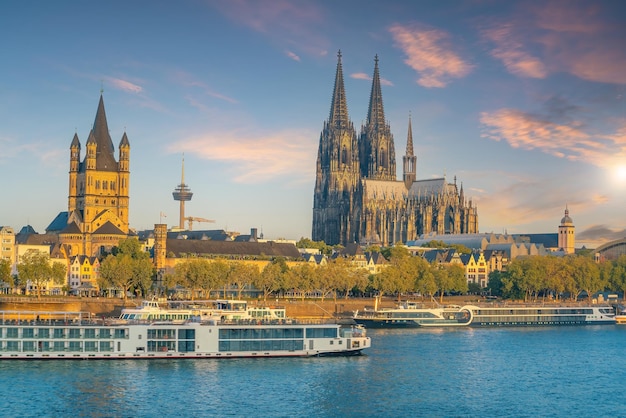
column 491, row 252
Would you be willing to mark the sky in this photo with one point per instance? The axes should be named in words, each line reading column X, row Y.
column 522, row 101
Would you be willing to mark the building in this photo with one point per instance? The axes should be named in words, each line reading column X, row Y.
column 98, row 203
column 567, row 238
column 7, row 244
column 83, row 275
column 357, row 198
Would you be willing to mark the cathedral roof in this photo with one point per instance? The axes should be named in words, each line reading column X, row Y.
column 376, row 112
column 72, row 228
column 105, row 159
column 75, row 141
column 209, row 247
column 58, row 223
column 384, row 189
column 339, row 107
column 429, row 187
column 109, row 229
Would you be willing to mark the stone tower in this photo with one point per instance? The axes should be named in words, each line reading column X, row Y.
column 357, row 197
column 409, row 160
column 377, row 150
column 98, row 200
column 336, row 209
column 567, row 239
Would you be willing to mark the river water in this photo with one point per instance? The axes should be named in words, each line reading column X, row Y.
column 517, row 372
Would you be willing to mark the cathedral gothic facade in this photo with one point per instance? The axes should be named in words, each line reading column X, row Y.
column 357, row 197
column 98, row 200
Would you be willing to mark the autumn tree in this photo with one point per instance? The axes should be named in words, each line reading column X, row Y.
column 270, row 279
column 35, row 268
column 5, row 272
column 242, row 275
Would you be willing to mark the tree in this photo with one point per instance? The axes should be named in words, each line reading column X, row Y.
column 192, row 273
column 618, row 275
column 131, row 268
column 242, row 275
column 5, row 272
column 217, row 276
column 117, row 272
column 269, row 280
column 35, row 268
column 449, row 278
column 587, row 275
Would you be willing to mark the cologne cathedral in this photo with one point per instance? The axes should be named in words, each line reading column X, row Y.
column 357, row 196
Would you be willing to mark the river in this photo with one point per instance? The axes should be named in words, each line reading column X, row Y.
column 517, row 372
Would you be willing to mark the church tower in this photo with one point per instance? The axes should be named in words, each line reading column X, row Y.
column 336, row 200
column 98, row 201
column 409, row 160
column 567, row 238
column 378, row 154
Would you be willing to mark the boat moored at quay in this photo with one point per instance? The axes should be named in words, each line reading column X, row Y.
column 79, row 335
column 413, row 315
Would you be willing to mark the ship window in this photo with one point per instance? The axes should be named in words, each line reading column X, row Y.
column 321, row 332
column 28, row 333
column 12, row 332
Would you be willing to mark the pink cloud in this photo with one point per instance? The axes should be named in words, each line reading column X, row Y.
column 293, row 56
column 580, row 38
column 527, row 131
column 282, row 21
column 430, row 54
column 124, row 85
column 512, row 53
column 363, row 76
column 254, row 158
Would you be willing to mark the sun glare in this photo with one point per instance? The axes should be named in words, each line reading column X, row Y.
column 620, row 173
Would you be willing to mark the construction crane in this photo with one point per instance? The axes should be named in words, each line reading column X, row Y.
column 192, row 219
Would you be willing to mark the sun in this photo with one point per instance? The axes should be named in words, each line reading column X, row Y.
column 620, row 173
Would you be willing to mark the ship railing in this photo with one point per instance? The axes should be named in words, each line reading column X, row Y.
column 45, row 318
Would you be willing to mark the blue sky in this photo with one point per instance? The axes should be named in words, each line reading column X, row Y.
column 522, row 101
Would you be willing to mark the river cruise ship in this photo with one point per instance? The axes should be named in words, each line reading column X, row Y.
column 79, row 335
column 220, row 309
column 514, row 315
column 413, row 315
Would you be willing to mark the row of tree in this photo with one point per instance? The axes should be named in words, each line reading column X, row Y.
column 546, row 276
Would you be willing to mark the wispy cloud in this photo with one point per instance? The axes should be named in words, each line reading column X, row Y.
column 293, row 56
column 430, row 53
column 124, row 85
column 555, row 36
column 512, row 53
column 363, row 76
column 251, row 158
column 187, row 80
column 527, row 131
column 283, row 22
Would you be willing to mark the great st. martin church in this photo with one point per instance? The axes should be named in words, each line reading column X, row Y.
column 357, row 197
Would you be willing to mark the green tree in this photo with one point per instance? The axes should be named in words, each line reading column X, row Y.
column 587, row 274
column 242, row 275
column 270, row 279
column 5, row 272
column 618, row 275
column 117, row 272
column 192, row 273
column 35, row 268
